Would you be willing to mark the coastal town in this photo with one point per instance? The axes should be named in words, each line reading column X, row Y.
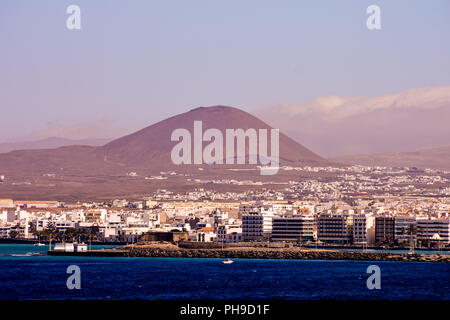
column 225, row 159
column 362, row 206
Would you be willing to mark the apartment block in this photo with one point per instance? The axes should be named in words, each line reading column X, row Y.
column 434, row 230
column 335, row 228
column 403, row 226
column 293, row 229
column 384, row 229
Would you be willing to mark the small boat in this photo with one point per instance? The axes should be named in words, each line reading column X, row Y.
column 39, row 244
column 28, row 254
column 227, row 261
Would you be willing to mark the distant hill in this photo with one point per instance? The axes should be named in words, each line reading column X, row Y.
column 152, row 146
column 50, row 143
column 436, row 158
column 147, row 150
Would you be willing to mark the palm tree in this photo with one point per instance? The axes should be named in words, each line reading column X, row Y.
column 300, row 241
column 412, row 231
column 13, row 234
column 33, row 228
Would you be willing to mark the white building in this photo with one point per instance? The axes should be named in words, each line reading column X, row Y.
column 252, row 226
column 229, row 233
column 429, row 228
column 66, row 247
column 62, row 226
column 4, row 231
column 206, row 234
column 363, row 229
column 3, row 217
column 6, row 203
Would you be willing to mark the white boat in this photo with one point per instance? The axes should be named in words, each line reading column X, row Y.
column 39, row 244
column 227, row 261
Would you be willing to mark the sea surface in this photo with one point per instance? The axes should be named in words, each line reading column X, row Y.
column 27, row 273
column 398, row 251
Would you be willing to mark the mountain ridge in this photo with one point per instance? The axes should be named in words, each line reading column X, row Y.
column 433, row 158
column 147, row 149
column 133, row 147
column 50, row 143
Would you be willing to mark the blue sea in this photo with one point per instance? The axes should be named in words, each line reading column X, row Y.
column 26, row 273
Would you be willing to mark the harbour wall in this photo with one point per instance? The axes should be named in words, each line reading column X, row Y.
column 246, row 253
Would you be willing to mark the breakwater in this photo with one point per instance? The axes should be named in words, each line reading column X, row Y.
column 248, row 253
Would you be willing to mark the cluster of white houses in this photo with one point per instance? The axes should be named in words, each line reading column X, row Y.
column 277, row 221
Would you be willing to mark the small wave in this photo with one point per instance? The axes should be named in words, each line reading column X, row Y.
column 28, row 254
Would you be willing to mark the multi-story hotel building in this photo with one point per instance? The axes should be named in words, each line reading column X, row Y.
column 293, row 228
column 252, row 226
column 336, row 228
column 402, row 229
column 363, row 229
column 384, row 229
column 434, row 230
column 256, row 225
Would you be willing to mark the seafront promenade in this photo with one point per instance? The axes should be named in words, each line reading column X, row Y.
column 173, row 251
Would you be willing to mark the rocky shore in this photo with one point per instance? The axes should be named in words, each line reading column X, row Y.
column 255, row 253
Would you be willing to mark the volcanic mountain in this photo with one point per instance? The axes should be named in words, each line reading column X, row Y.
column 148, row 150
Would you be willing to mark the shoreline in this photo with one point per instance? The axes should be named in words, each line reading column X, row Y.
column 311, row 247
column 253, row 253
column 33, row 241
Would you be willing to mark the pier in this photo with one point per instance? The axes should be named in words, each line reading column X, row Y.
column 172, row 251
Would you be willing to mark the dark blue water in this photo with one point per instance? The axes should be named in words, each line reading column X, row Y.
column 44, row 277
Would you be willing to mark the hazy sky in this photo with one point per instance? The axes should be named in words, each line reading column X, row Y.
column 136, row 62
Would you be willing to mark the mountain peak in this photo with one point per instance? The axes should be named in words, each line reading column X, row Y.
column 100, row 171
column 214, row 108
column 149, row 149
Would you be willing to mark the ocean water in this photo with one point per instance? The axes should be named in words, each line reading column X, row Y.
column 394, row 251
column 26, row 276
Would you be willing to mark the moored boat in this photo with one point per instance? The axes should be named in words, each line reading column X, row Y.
column 227, row 261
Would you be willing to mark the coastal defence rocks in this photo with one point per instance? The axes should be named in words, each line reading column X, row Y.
column 285, row 254
column 253, row 253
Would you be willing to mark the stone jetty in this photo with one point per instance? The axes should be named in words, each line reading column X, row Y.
column 171, row 251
